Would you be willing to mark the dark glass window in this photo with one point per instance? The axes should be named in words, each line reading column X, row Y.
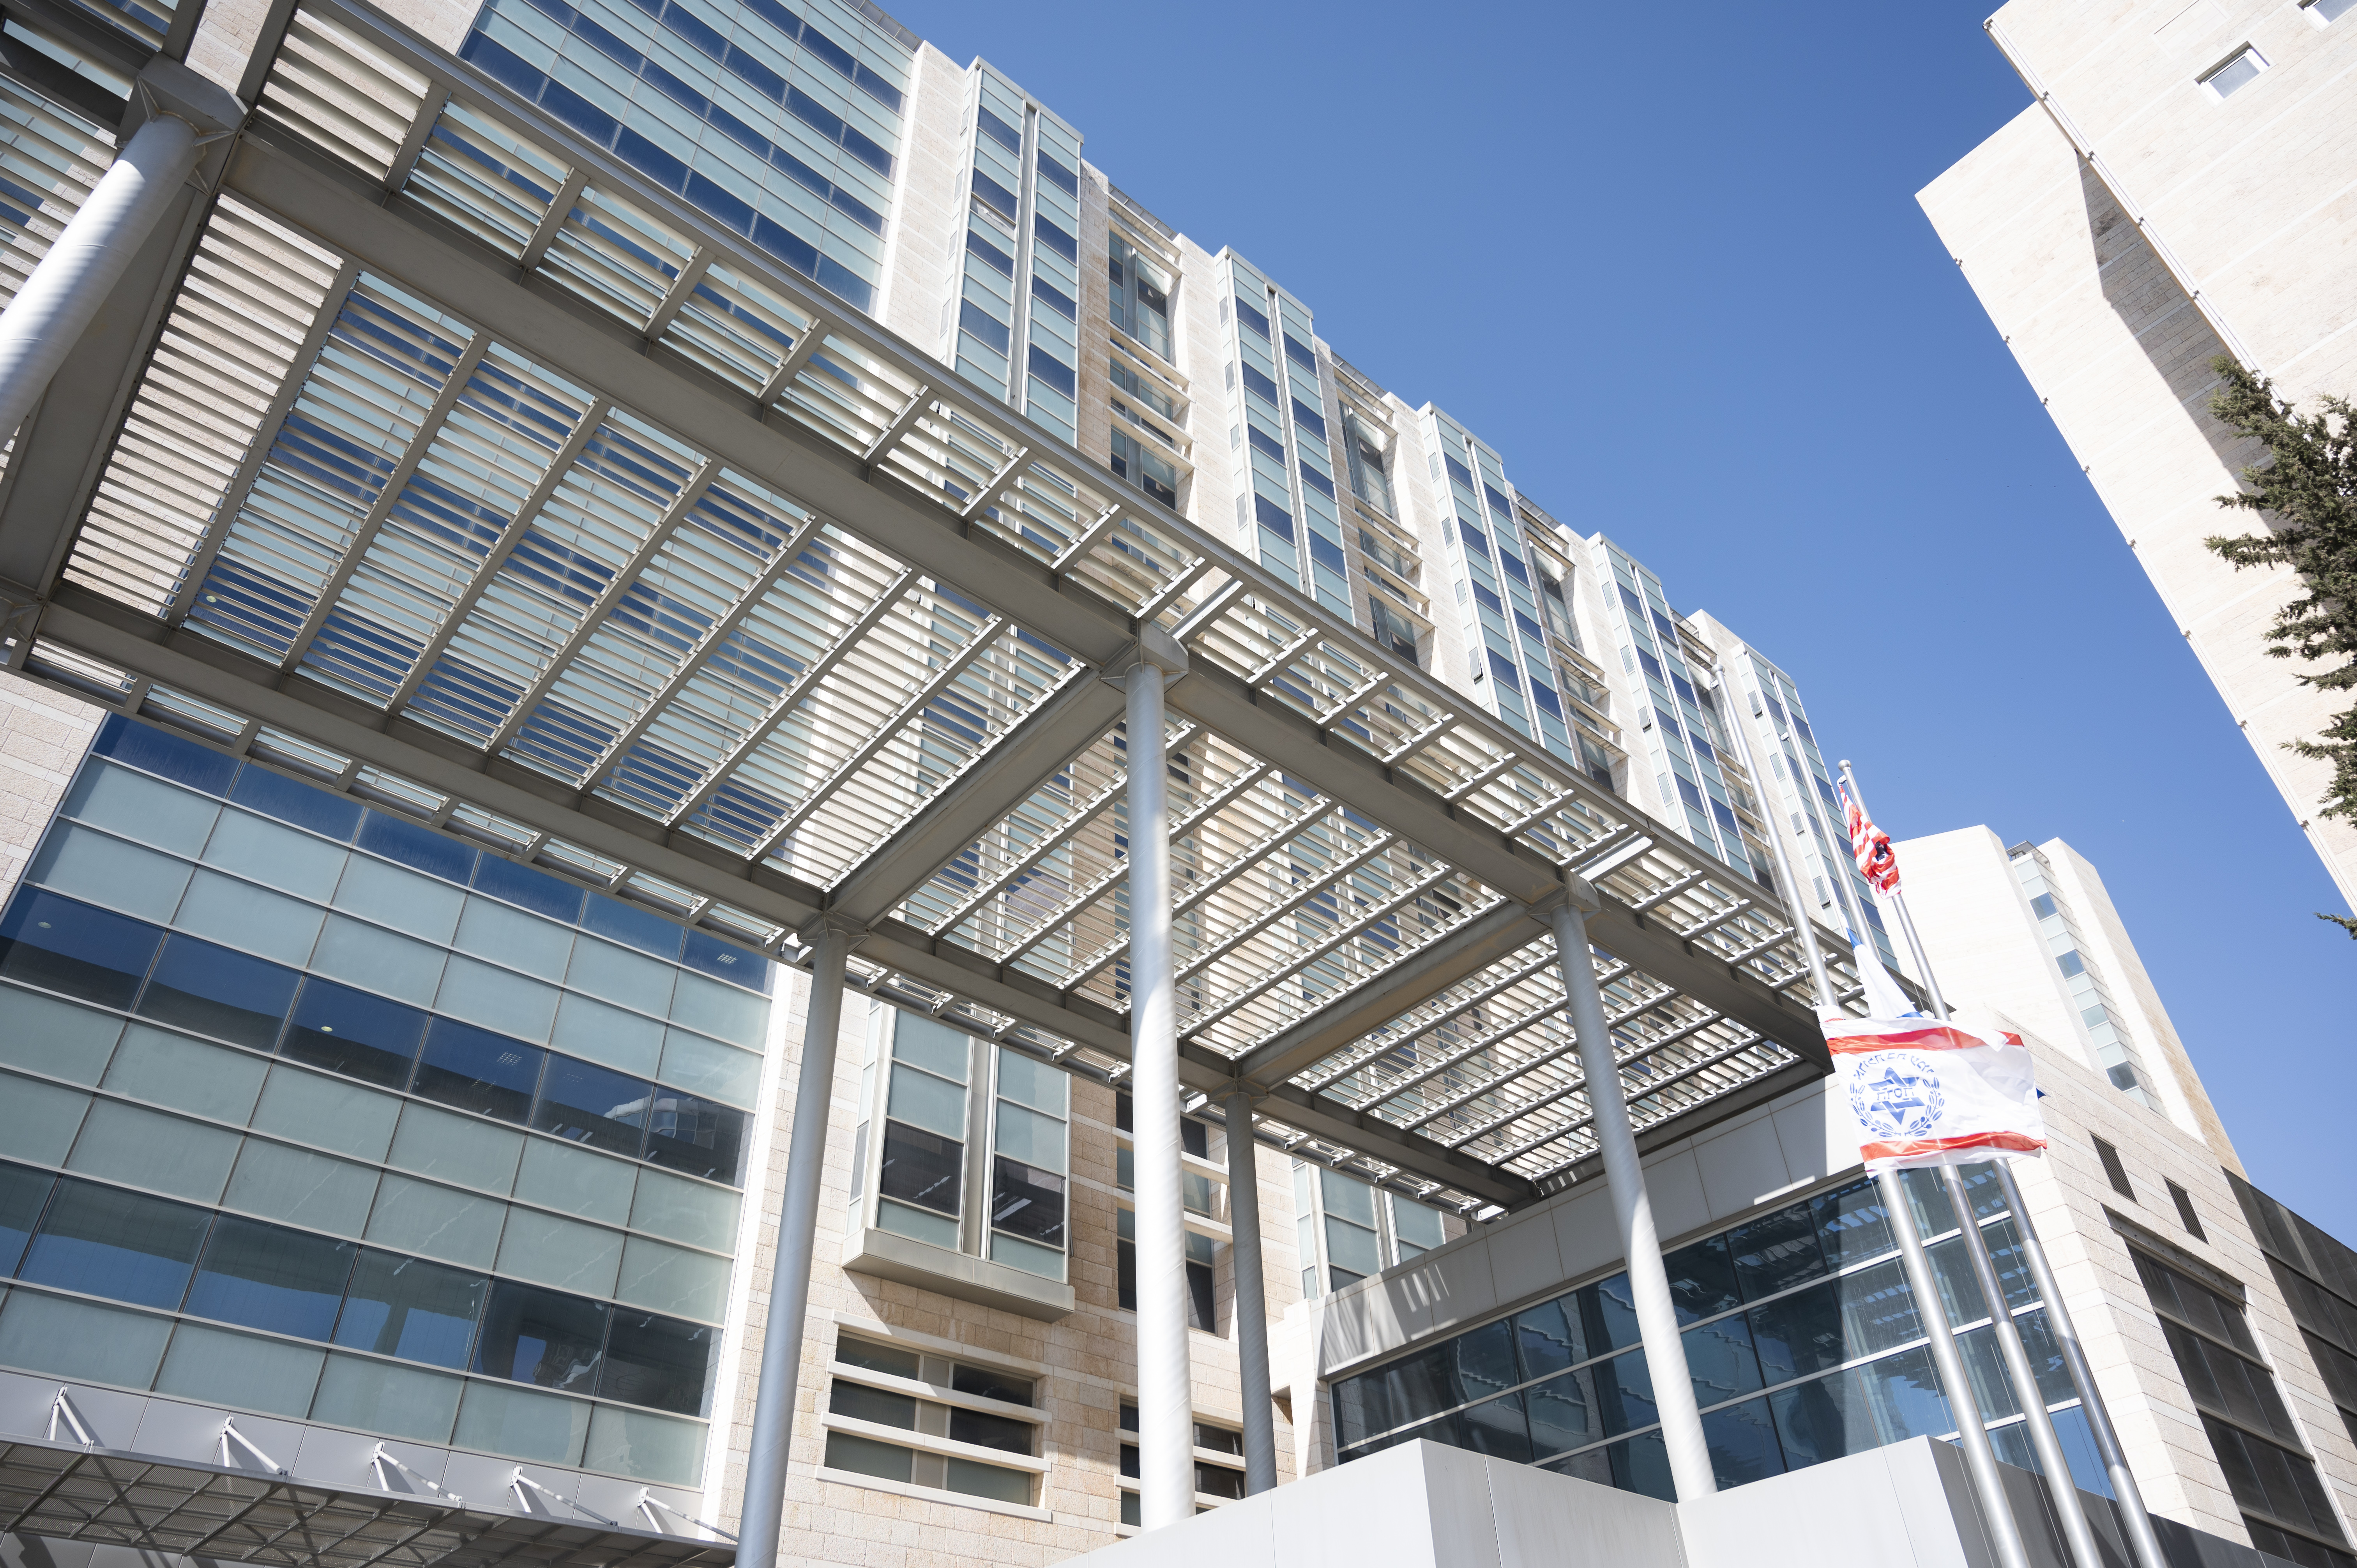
column 1562, row 1413
column 266, row 1276
column 702, row 1137
column 626, row 923
column 1609, row 1314
column 725, row 961
column 304, row 805
column 1202, row 1310
column 354, row 1033
column 2113, row 1168
column 23, row 1194
column 1051, row 369
column 1625, row 1392
column 475, row 1069
column 1548, row 1337
column 1056, row 174
column 1721, row 1361
column 1777, row 1252
column 2185, row 1211
column 881, row 1406
column 984, row 1383
column 1000, row 1432
column 985, row 327
column 1030, row 1202
column 60, row 945
column 411, row 1308
column 166, row 756
column 1702, row 1279
column 593, row 1105
column 1219, row 1481
column 921, row 1167
column 544, row 1337
column 1252, row 316
column 423, row 849
column 662, row 1362
column 534, row 890
column 214, row 991
column 124, row 1246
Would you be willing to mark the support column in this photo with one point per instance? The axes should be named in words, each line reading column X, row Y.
column 1648, row 1283
column 181, row 112
column 1166, row 1415
column 782, row 1336
column 2142, row 1542
column 1251, row 1307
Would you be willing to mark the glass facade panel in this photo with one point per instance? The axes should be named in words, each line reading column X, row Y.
column 491, row 1254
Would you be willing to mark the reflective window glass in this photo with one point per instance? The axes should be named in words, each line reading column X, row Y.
column 1852, row 1225
column 661, row 1362
column 421, row 849
column 395, row 966
column 105, row 870
column 318, row 1192
column 530, row 889
column 1608, row 1314
column 496, row 931
column 190, row 1075
column 707, row 1067
column 168, row 755
column 1028, row 1202
column 23, row 1194
column 213, row 991
column 100, row 1241
column 496, row 999
column 575, row 1181
column 672, row 1280
column 139, row 1147
column 269, row 1277
column 1720, row 1359
column 1742, row 1442
column 1548, row 1337
column 475, row 1069
column 411, row 1308
column 58, row 944
column 312, row 1109
column 277, row 795
column 640, row 929
column 593, row 1106
column 214, row 1366
column 55, row 1039
column 1777, row 1252
column 354, row 1033
column 396, row 1401
column 921, row 1167
column 1562, row 1413
column 700, row 1137
column 420, row 906
column 40, row 1121
column 141, row 807
column 1702, row 1279
column 81, row 1340
column 263, row 851
column 544, row 1337
column 624, row 1041
column 244, row 916
column 1624, row 1392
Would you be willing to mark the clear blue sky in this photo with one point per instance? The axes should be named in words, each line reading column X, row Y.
column 1668, row 261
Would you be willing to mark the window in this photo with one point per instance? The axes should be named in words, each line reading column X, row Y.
column 1139, row 297
column 1219, row 1464
column 937, row 1092
column 1350, row 1228
column 2237, row 73
column 1370, row 468
column 1143, row 390
column 2186, row 1214
column 1143, row 468
column 2117, row 1171
column 2273, row 1479
column 946, row 1408
column 2321, row 12
column 1800, row 1336
column 1392, row 629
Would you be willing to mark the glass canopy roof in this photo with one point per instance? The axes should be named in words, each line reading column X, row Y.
column 470, row 472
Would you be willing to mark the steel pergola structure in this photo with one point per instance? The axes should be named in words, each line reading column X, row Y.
column 428, row 450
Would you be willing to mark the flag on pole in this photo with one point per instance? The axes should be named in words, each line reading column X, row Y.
column 1924, row 1092
column 1876, row 862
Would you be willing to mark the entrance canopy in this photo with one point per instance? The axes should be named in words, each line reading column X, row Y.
column 434, row 452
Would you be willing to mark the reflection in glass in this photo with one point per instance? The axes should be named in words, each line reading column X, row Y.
column 1030, row 1202
column 411, row 1308
column 658, row 1361
column 701, row 1138
column 60, row 945
column 212, row 991
column 921, row 1167
column 544, row 1337
column 351, row 1032
column 100, row 1241
column 267, row 1277
column 593, row 1105
column 474, row 1069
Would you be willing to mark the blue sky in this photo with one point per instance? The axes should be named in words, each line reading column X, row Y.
column 1669, row 262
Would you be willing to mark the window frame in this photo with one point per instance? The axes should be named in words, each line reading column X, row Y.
column 935, row 1401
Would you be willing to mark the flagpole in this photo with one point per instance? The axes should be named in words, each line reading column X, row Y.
column 1980, row 1457
column 2141, row 1538
column 1898, row 906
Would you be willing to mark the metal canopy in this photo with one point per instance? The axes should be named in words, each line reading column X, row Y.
column 468, row 470
column 206, row 1512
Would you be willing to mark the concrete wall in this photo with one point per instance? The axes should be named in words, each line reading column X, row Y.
column 43, row 735
column 2254, row 198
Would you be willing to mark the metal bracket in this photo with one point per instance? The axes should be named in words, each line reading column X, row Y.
column 648, row 1503
column 61, row 1408
column 228, row 1431
column 519, row 1481
column 383, row 1456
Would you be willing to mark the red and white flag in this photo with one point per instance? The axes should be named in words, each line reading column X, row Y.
column 1876, row 861
column 1924, row 1092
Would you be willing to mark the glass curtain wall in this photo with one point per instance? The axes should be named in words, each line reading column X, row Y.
column 2116, row 1051
column 308, row 1110
column 1801, row 1338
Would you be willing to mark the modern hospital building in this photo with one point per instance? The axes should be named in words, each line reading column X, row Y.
column 579, row 606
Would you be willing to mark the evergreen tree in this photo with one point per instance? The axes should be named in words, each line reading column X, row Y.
column 2307, row 493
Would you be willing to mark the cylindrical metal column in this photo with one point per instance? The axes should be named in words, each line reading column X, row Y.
column 1166, row 1415
column 781, row 1337
column 47, row 318
column 1649, row 1283
column 1980, row 1459
column 2042, row 1441
column 1251, row 1305
column 2141, row 1539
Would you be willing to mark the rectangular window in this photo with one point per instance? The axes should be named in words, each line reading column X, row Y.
column 1139, row 299
column 2116, row 1171
column 2323, row 11
column 2185, row 1212
column 2237, row 73
column 968, row 1411
column 1369, row 468
column 1137, row 463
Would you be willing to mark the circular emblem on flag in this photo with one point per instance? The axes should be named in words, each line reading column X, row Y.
column 1898, row 1095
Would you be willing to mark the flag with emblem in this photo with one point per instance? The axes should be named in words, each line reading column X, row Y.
column 1929, row 1093
column 1876, row 861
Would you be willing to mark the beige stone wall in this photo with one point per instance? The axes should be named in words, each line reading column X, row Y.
column 927, row 223
column 1085, row 1362
column 2254, row 200
column 43, row 735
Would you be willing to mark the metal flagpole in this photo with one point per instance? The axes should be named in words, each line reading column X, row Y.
column 1980, row 1458
column 2050, row 1457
